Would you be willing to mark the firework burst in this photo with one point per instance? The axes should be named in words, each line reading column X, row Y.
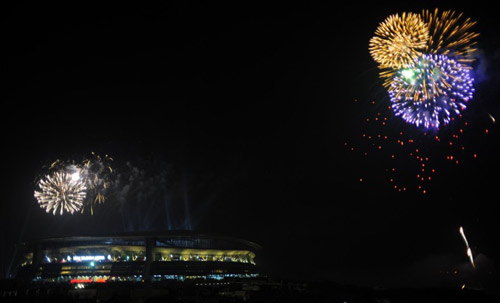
column 450, row 36
column 431, row 90
column 61, row 192
column 91, row 177
column 96, row 172
column 425, row 61
column 399, row 40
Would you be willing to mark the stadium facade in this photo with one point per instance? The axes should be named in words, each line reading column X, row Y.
column 135, row 257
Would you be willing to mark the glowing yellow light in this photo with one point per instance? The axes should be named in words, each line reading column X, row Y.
column 399, row 40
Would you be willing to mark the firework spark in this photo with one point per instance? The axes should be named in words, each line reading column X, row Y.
column 492, row 118
column 432, row 89
column 61, row 192
column 425, row 61
column 92, row 178
column 399, row 40
column 469, row 254
column 469, row 251
column 412, row 158
column 461, row 230
column 96, row 172
column 450, row 36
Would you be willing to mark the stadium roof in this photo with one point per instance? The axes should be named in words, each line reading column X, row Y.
column 138, row 236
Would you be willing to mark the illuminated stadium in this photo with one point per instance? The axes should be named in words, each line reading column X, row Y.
column 136, row 257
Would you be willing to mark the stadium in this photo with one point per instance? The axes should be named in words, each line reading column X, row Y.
column 136, row 257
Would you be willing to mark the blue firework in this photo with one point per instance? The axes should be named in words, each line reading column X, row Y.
column 431, row 90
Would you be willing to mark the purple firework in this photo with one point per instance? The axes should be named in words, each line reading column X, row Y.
column 431, row 90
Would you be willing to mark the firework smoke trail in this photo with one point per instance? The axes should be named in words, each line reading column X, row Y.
column 145, row 194
column 153, row 194
column 167, row 210
column 96, row 171
column 469, row 251
column 187, row 221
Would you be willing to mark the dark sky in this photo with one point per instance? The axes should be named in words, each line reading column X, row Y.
column 245, row 109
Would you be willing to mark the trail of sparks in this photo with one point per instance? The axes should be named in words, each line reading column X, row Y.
column 461, row 230
column 411, row 158
column 96, row 172
column 492, row 118
column 450, row 36
column 469, row 251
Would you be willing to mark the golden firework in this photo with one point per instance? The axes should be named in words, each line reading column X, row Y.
column 399, row 40
column 450, row 36
column 96, row 171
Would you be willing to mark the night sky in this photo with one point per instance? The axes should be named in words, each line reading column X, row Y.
column 238, row 115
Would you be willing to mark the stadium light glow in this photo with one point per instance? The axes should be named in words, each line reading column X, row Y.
column 88, row 258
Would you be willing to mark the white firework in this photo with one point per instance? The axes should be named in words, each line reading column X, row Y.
column 61, row 192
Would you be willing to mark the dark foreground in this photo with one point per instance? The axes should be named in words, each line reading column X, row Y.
column 255, row 290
